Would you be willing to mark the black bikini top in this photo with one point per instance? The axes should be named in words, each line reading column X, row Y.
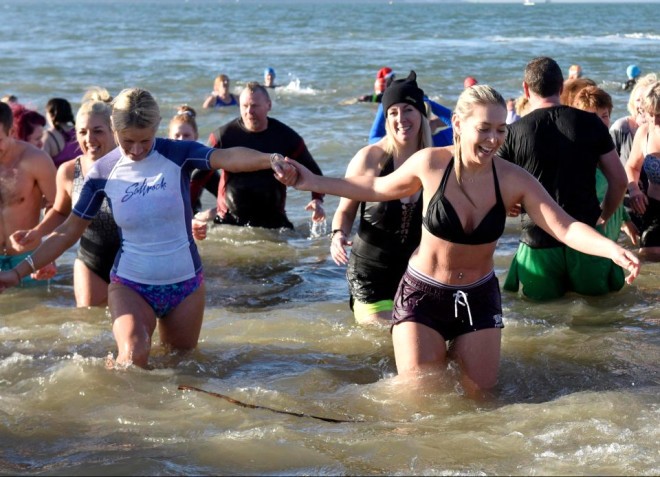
column 443, row 222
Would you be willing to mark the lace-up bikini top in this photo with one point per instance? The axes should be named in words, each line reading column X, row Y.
column 442, row 220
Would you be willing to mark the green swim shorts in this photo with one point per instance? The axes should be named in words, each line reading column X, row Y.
column 548, row 273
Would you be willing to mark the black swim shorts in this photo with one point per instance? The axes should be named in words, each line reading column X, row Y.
column 448, row 309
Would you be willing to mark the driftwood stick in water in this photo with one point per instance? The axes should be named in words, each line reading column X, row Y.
column 255, row 406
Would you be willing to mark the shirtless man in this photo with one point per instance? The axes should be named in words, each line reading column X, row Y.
column 27, row 183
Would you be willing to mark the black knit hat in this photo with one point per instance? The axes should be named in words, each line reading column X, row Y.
column 404, row 91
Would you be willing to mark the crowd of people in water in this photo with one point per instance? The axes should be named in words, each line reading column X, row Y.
column 432, row 189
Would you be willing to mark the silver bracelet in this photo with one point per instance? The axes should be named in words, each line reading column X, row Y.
column 276, row 156
column 30, row 262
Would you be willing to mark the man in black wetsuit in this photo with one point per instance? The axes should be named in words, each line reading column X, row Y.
column 562, row 147
column 256, row 198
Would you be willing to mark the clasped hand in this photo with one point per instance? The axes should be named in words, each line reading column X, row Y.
column 284, row 170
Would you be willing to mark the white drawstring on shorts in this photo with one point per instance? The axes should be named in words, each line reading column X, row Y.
column 460, row 294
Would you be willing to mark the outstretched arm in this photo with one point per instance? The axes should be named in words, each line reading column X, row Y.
column 402, row 182
column 243, row 159
column 548, row 215
column 239, row 159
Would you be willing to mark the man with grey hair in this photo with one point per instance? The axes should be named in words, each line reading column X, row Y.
column 256, row 198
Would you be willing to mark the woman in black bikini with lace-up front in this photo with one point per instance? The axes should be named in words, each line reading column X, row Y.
column 450, row 292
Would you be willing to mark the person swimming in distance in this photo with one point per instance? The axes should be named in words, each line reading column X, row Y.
column 574, row 72
column 221, row 96
column 384, row 77
column 269, row 78
column 633, row 72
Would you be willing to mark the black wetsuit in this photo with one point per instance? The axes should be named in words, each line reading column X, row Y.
column 257, row 198
column 200, row 180
column 388, row 234
column 100, row 241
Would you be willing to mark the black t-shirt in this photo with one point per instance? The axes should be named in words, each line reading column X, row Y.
column 560, row 146
column 257, row 198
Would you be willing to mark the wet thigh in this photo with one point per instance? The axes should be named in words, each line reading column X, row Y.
column 180, row 328
column 88, row 287
column 133, row 323
column 417, row 348
column 478, row 355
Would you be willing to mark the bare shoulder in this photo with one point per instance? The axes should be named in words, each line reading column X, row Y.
column 641, row 135
column 437, row 157
column 66, row 172
column 505, row 168
column 30, row 154
column 369, row 160
column 514, row 180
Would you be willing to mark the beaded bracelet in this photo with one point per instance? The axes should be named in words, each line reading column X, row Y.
column 30, row 262
column 335, row 231
column 274, row 157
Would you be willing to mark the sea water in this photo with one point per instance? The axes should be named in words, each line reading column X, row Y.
column 579, row 382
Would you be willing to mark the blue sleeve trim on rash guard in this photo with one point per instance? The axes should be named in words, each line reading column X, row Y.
column 188, row 155
column 92, row 193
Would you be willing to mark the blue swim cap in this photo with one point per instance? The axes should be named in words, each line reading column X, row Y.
column 633, row 71
column 269, row 71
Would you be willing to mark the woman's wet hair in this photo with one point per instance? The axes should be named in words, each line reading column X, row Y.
column 96, row 102
column 651, row 98
column 638, row 90
column 593, row 97
column 135, row 108
column 26, row 121
column 60, row 113
column 477, row 95
column 185, row 114
column 572, row 88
